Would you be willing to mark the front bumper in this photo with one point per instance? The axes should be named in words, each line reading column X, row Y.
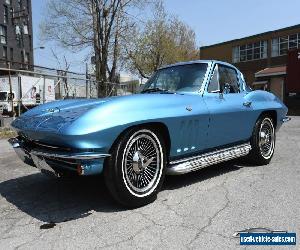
column 55, row 161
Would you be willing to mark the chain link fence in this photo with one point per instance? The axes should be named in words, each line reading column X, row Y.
column 21, row 90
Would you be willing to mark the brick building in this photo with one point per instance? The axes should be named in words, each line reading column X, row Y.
column 16, row 34
column 255, row 53
column 269, row 61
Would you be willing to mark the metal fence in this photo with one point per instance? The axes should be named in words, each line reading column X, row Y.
column 21, row 90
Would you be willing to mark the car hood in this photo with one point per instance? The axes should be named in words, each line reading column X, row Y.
column 88, row 116
column 52, row 116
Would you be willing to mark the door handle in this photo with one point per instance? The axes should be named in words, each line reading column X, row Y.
column 247, row 104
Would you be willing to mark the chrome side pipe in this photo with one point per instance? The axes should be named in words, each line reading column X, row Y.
column 286, row 119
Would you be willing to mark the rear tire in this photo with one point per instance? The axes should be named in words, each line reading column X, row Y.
column 135, row 171
column 262, row 141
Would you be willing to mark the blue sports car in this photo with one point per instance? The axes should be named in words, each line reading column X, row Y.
column 188, row 116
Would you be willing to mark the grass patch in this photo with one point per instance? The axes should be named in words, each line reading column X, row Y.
column 6, row 133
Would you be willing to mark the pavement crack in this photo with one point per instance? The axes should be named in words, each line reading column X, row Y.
column 211, row 218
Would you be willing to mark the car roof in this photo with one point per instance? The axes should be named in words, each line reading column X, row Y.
column 198, row 61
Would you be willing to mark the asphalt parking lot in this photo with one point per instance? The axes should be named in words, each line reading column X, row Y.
column 200, row 210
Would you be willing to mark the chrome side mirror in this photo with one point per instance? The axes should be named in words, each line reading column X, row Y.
column 226, row 89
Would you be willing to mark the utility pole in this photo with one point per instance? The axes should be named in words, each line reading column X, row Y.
column 44, row 89
column 87, row 81
column 58, row 84
column 19, row 94
column 10, row 91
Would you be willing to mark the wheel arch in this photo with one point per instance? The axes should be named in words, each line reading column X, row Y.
column 272, row 114
column 157, row 126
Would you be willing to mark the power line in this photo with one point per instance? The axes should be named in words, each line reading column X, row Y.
column 31, row 66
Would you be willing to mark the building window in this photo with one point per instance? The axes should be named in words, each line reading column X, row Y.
column 236, row 54
column 11, row 54
column 281, row 45
column 25, row 29
column 30, row 42
column 18, row 30
column 22, row 56
column 19, row 4
column 3, row 34
column 5, row 15
column 275, row 47
column 249, row 52
column 12, row 15
column 19, row 36
column 26, row 58
column 4, row 53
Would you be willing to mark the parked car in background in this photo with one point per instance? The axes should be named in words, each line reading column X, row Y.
column 188, row 116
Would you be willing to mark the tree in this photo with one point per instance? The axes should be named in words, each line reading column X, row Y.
column 163, row 40
column 62, row 71
column 96, row 24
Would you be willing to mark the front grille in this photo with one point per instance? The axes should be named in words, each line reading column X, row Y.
column 35, row 145
column 47, row 147
column 55, row 163
column 41, row 146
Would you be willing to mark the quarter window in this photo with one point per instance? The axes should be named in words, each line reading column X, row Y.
column 214, row 82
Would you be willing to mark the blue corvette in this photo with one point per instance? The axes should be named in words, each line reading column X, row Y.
column 188, row 116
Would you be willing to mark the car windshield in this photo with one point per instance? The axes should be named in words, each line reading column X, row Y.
column 181, row 78
column 3, row 96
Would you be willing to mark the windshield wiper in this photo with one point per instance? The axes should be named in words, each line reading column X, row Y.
column 156, row 90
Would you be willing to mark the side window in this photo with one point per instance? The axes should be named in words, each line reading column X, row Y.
column 213, row 85
column 228, row 76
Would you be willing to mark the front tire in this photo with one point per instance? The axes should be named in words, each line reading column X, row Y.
column 263, row 141
column 135, row 171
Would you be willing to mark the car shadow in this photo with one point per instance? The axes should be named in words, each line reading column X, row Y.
column 55, row 200
column 178, row 181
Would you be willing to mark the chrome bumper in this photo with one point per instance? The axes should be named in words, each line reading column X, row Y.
column 71, row 156
column 23, row 154
column 36, row 158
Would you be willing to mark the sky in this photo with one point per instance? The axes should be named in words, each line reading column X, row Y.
column 213, row 22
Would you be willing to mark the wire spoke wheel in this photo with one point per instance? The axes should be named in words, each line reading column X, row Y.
column 142, row 163
column 266, row 140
